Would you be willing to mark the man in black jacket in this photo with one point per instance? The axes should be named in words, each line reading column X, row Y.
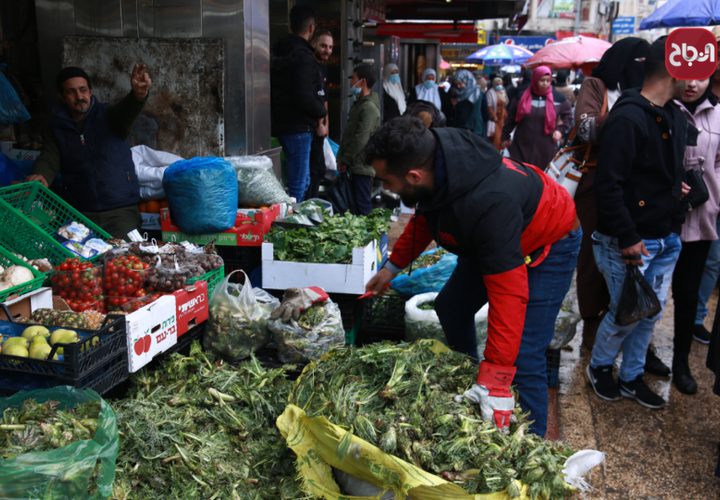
column 639, row 189
column 297, row 98
column 86, row 157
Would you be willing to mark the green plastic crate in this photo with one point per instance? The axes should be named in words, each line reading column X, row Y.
column 7, row 259
column 31, row 214
column 213, row 278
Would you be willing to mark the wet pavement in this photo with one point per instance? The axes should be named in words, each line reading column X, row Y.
column 669, row 453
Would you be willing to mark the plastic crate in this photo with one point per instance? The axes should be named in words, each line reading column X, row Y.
column 79, row 359
column 31, row 214
column 383, row 318
column 213, row 278
column 7, row 259
column 245, row 258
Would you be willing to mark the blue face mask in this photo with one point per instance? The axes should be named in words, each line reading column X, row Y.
column 428, row 84
column 355, row 91
column 395, row 78
column 499, row 88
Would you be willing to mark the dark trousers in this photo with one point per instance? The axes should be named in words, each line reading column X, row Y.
column 118, row 222
column 592, row 292
column 317, row 167
column 362, row 191
column 464, row 294
column 685, row 285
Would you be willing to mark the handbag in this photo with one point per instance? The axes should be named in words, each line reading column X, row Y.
column 699, row 193
column 570, row 162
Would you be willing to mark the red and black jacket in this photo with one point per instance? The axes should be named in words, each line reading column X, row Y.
column 503, row 214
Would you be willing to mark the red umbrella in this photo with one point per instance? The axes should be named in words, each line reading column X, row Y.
column 570, row 52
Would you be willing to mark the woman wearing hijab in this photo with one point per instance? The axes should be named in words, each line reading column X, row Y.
column 393, row 96
column 428, row 89
column 620, row 68
column 471, row 108
column 700, row 227
column 540, row 119
column 496, row 101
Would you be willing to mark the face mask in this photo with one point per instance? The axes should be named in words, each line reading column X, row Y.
column 394, row 78
column 355, row 91
column 499, row 88
column 428, row 84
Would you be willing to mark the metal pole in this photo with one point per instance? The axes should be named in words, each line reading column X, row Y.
column 578, row 13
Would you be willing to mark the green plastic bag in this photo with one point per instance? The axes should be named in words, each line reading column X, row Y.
column 70, row 471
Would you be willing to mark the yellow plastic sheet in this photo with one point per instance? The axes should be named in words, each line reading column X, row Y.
column 321, row 446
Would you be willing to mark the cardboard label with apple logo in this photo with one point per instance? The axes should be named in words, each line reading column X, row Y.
column 151, row 330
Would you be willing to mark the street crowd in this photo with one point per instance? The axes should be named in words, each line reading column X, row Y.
column 468, row 153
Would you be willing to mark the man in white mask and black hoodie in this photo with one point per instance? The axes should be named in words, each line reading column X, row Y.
column 639, row 189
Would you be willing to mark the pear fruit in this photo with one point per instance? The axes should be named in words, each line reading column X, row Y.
column 39, row 350
column 62, row 336
column 17, row 341
column 34, row 331
column 15, row 350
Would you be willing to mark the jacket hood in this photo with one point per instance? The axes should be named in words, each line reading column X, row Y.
column 472, row 160
column 633, row 96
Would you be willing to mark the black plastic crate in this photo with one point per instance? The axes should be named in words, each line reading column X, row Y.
column 80, row 359
column 383, row 318
column 246, row 258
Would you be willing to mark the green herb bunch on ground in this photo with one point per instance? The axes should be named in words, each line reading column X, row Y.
column 197, row 427
column 36, row 427
column 332, row 241
column 402, row 398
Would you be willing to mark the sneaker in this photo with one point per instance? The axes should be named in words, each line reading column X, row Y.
column 654, row 365
column 602, row 381
column 701, row 334
column 640, row 392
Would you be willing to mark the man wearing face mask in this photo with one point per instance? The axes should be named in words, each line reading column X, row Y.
column 363, row 121
column 86, row 156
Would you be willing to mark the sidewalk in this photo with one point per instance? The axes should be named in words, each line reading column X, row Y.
column 660, row 454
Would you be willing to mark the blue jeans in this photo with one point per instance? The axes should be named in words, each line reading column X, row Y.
column 297, row 154
column 464, row 294
column 632, row 339
column 709, row 279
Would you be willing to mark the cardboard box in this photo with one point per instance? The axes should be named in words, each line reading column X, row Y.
column 25, row 305
column 250, row 228
column 333, row 278
column 151, row 330
column 192, row 306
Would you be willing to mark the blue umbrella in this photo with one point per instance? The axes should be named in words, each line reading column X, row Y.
column 684, row 13
column 500, row 54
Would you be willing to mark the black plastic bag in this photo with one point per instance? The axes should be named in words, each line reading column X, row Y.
column 637, row 299
column 341, row 196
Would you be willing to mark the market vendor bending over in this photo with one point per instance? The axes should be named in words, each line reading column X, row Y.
column 516, row 236
column 86, row 154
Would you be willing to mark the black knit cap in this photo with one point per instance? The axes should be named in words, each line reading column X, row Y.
column 70, row 72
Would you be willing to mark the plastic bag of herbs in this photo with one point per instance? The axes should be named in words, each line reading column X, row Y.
column 428, row 273
column 405, row 400
column 318, row 330
column 422, row 322
column 60, row 442
column 238, row 319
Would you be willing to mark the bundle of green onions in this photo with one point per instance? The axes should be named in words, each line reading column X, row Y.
column 197, row 427
column 401, row 398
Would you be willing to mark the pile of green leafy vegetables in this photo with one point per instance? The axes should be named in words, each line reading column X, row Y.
column 402, row 398
column 331, row 241
column 199, row 428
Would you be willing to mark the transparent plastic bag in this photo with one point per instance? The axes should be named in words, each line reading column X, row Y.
column 238, row 319
column 83, row 469
column 319, row 330
column 257, row 184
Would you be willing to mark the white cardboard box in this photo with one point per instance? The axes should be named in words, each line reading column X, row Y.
column 333, row 278
column 151, row 330
column 26, row 304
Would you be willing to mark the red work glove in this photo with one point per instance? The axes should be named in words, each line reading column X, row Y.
column 492, row 392
column 297, row 300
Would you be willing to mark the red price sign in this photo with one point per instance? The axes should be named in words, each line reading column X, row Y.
column 691, row 54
